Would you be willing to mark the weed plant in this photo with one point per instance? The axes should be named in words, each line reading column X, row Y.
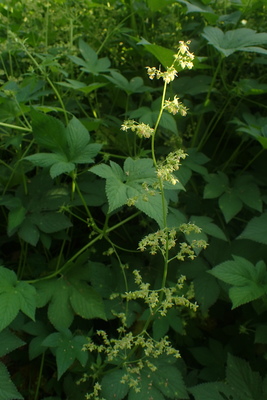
column 133, row 200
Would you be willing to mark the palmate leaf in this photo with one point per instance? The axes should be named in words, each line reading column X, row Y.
column 111, row 385
column 246, row 384
column 70, row 145
column 68, row 348
column 8, row 390
column 213, row 391
column 249, row 282
column 242, row 39
column 15, row 296
column 126, row 184
column 9, row 342
column 256, row 229
column 68, row 296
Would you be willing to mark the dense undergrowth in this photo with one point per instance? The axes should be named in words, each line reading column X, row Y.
column 133, row 200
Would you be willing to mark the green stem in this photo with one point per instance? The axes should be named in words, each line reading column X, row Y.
column 36, row 395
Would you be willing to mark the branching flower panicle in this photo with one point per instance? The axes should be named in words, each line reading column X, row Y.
column 169, row 165
column 141, row 129
column 174, row 107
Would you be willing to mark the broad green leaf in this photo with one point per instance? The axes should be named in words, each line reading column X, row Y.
column 87, row 154
column 122, row 186
column 9, row 306
column 160, row 327
column 246, row 294
column 87, row 51
column 29, row 232
column 246, row 383
column 60, row 312
column 206, row 290
column 242, row 39
column 112, row 387
column 49, row 132
column 230, row 204
column 16, row 217
column 77, row 137
column 256, row 229
column 239, row 272
column 208, row 227
column 147, row 389
column 68, row 349
column 61, row 168
column 14, row 296
column 248, row 192
column 164, row 56
column 213, row 391
column 249, row 282
column 169, row 381
column 46, row 160
column 9, row 342
column 69, row 295
column 86, row 302
column 92, row 63
column 51, row 222
column 8, row 390
column 82, row 87
column 217, row 185
column 27, row 297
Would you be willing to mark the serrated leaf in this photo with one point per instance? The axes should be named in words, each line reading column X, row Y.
column 147, row 390
column 14, row 298
column 49, row 132
column 112, row 387
column 256, row 229
column 235, row 40
column 86, row 302
column 208, row 227
column 169, row 381
column 27, row 297
column 249, row 281
column 213, row 391
column 248, row 192
column 8, row 390
column 63, row 167
column 9, row 307
column 46, row 160
column 9, row 342
column 51, row 222
column 246, row 294
column 15, row 219
column 230, row 205
column 29, row 232
column 60, row 312
column 246, row 383
column 206, row 291
column 68, row 349
column 217, row 185
column 239, row 272
column 77, row 137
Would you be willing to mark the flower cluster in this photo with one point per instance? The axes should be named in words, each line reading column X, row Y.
column 187, row 250
column 170, row 164
column 174, row 107
column 153, row 298
column 142, row 130
column 157, row 241
column 184, row 59
column 95, row 394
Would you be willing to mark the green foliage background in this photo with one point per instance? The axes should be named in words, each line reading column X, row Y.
column 74, row 205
